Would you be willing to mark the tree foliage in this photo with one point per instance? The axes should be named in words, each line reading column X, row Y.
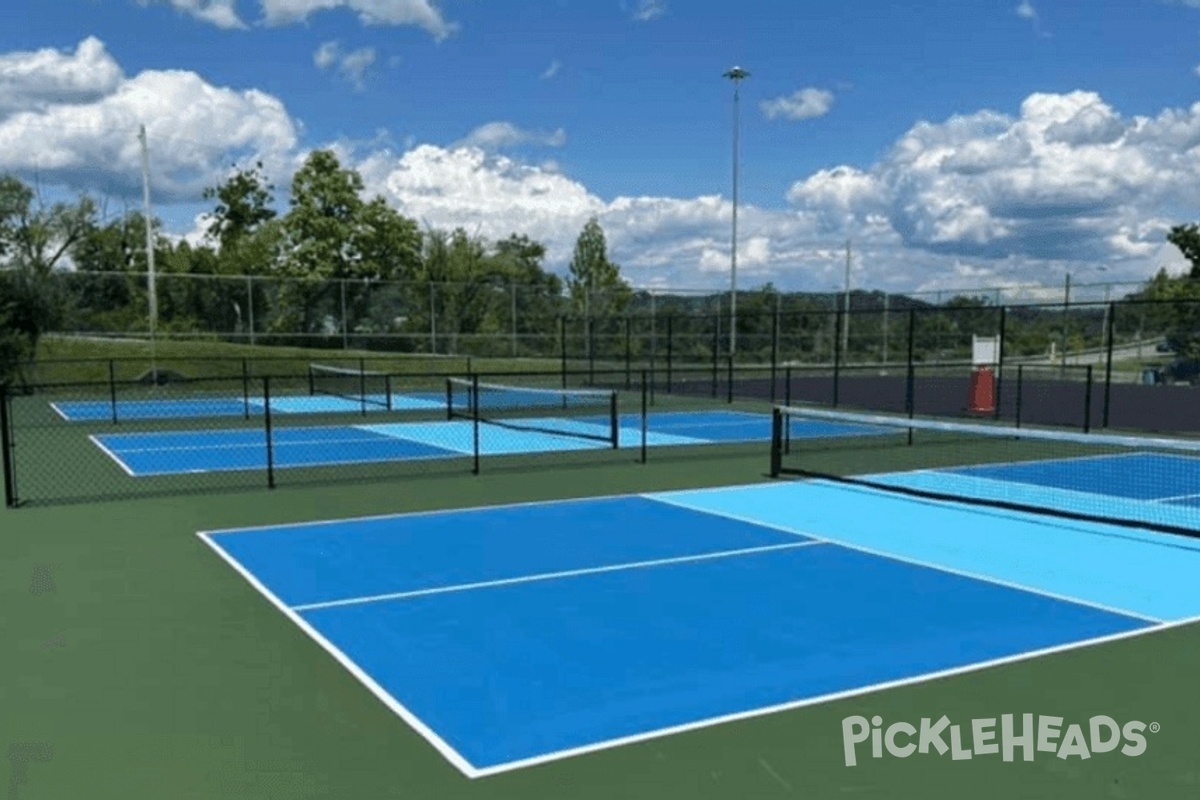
column 595, row 285
column 1187, row 239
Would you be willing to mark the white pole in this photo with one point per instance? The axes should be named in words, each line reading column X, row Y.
column 737, row 74
column 152, row 282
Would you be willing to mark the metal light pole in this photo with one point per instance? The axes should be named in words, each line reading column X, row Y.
column 737, row 75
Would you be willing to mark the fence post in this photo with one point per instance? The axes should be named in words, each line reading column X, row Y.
column 250, row 306
column 267, row 427
column 562, row 347
column 645, row 423
column 245, row 389
column 1108, row 361
column 1000, row 359
column 345, row 320
column 787, row 385
column 837, row 357
column 716, row 353
column 628, row 351
column 1087, row 402
column 432, row 318
column 6, row 445
column 513, row 311
column 475, row 423
column 112, row 389
column 776, row 442
column 1020, row 391
column 910, row 388
column 774, row 347
column 362, row 384
column 670, row 347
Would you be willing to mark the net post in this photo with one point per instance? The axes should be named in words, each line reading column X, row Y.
column 1087, row 402
column 6, row 444
column 245, row 389
column 449, row 398
column 614, row 421
column 1020, row 391
column 112, row 390
column 475, row 423
column 387, row 388
column 837, row 356
column 645, row 420
column 1108, row 362
column 1000, row 360
column 267, row 431
column 729, row 379
column 670, row 348
column 776, row 442
column 312, row 381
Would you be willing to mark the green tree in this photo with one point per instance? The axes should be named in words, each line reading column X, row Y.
column 1177, row 314
column 1187, row 239
column 595, row 284
column 37, row 236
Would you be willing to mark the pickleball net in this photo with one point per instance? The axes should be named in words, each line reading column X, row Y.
column 358, row 385
column 589, row 414
column 1133, row 481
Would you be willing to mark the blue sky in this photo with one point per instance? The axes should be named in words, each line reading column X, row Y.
column 956, row 144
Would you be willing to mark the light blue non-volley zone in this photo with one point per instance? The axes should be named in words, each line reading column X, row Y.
column 229, row 406
column 1157, row 488
column 198, row 451
column 510, row 636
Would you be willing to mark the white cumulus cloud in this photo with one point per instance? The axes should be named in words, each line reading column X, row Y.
column 804, row 104
column 221, row 13
column 500, row 135
column 647, row 10
column 34, row 80
column 353, row 66
column 420, row 13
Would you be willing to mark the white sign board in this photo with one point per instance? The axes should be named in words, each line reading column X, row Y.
column 985, row 351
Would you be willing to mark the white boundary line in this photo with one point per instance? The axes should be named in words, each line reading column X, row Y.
column 113, row 456
column 826, row 698
column 54, row 407
column 470, row 771
column 434, row 512
column 427, row 733
column 549, row 576
column 924, row 564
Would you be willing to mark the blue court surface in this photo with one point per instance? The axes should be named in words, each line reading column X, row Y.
column 516, row 635
column 198, row 451
column 225, row 406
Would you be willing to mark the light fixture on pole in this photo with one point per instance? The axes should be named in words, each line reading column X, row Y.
column 737, row 75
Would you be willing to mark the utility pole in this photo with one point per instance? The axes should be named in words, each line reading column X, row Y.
column 737, row 75
column 152, row 287
column 846, row 307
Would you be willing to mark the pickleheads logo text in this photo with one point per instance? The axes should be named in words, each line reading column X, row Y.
column 982, row 737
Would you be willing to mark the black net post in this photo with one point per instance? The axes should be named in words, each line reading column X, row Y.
column 245, row 389
column 645, row 420
column 776, row 442
column 837, row 355
column 312, row 381
column 387, row 389
column 267, row 430
column 6, row 446
column 1108, row 361
column 729, row 379
column 1020, row 392
column 112, row 389
column 1000, row 360
column 1087, row 401
column 449, row 398
column 475, row 423
column 614, row 421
